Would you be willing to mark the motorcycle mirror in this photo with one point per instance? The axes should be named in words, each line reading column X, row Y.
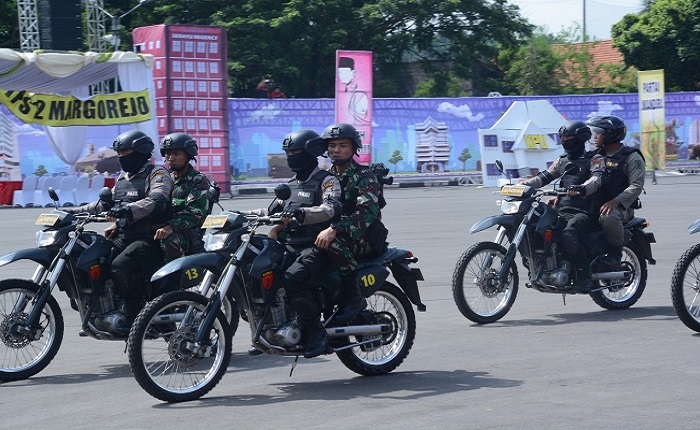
column 106, row 195
column 572, row 169
column 283, row 192
column 53, row 195
column 499, row 166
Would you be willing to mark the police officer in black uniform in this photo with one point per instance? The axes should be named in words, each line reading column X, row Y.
column 141, row 205
column 624, row 182
column 314, row 202
column 574, row 207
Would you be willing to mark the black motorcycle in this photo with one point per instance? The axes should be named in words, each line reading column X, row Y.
column 485, row 280
column 685, row 284
column 77, row 261
column 180, row 345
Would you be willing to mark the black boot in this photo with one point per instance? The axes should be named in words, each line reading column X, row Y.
column 611, row 261
column 316, row 340
column 350, row 302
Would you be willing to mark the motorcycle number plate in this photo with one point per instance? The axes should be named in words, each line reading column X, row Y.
column 47, row 219
column 215, row 221
column 513, row 190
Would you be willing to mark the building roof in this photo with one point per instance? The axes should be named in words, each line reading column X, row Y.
column 602, row 53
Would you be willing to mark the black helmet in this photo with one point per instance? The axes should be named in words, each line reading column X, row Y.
column 611, row 127
column 577, row 129
column 179, row 141
column 308, row 140
column 342, row 131
column 134, row 139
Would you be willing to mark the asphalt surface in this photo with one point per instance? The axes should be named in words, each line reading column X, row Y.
column 545, row 365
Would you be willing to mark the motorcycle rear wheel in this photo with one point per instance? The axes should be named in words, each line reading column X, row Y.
column 474, row 286
column 159, row 348
column 391, row 306
column 21, row 357
column 625, row 296
column 685, row 288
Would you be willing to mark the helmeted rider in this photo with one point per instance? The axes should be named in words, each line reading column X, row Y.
column 141, row 205
column 575, row 207
column 182, row 235
column 314, row 202
column 624, row 182
column 349, row 238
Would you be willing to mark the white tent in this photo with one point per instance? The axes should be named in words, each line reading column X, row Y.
column 72, row 73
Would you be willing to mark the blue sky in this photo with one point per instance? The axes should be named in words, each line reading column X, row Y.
column 564, row 14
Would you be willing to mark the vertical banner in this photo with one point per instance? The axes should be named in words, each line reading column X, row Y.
column 353, row 96
column 652, row 118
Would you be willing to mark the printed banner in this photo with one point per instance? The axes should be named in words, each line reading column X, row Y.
column 353, row 96
column 61, row 111
column 652, row 120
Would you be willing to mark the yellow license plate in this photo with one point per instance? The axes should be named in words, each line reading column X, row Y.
column 513, row 190
column 215, row 221
column 47, row 219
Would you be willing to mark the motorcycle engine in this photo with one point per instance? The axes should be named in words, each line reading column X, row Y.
column 289, row 334
column 557, row 277
column 114, row 321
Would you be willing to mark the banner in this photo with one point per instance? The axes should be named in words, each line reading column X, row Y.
column 652, row 119
column 353, row 96
column 61, row 111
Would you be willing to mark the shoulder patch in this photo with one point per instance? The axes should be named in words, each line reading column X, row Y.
column 597, row 163
column 158, row 177
column 328, row 185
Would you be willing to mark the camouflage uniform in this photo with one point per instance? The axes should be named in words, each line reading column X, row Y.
column 190, row 200
column 360, row 200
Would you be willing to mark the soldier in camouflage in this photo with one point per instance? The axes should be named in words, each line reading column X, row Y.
column 141, row 205
column 346, row 239
column 190, row 199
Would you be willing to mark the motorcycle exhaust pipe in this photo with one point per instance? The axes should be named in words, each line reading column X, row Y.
column 354, row 330
column 610, row 275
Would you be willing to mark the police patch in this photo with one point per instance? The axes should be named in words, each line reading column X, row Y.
column 597, row 164
column 327, row 186
column 158, row 177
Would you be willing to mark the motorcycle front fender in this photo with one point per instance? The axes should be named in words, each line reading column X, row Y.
column 694, row 227
column 190, row 268
column 43, row 256
column 507, row 221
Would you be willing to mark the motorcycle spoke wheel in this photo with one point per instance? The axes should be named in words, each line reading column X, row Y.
column 685, row 288
column 389, row 306
column 22, row 356
column 163, row 355
column 475, row 287
column 622, row 296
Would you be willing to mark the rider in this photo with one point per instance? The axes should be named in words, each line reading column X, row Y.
column 574, row 207
column 190, row 198
column 624, row 182
column 141, row 205
column 314, row 202
column 347, row 238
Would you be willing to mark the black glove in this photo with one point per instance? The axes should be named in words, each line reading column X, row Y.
column 580, row 190
column 297, row 214
column 122, row 212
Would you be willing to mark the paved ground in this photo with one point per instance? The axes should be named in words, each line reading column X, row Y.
column 544, row 366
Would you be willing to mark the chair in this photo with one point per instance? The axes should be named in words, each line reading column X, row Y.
column 25, row 196
column 41, row 195
column 81, row 195
column 66, row 190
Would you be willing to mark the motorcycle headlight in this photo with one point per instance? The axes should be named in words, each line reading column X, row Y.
column 509, row 207
column 46, row 238
column 214, row 242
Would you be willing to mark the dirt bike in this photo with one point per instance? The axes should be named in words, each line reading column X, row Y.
column 180, row 346
column 485, row 280
column 75, row 260
column 685, row 284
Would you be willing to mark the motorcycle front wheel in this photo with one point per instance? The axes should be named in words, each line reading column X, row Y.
column 23, row 356
column 685, row 288
column 390, row 306
column 475, row 286
column 624, row 296
column 163, row 354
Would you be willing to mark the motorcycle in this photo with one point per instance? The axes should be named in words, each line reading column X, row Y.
column 685, row 284
column 180, row 346
column 77, row 261
column 485, row 280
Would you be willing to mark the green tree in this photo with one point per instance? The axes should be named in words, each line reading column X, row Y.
column 442, row 84
column 9, row 24
column 41, row 170
column 463, row 157
column 665, row 35
column 532, row 68
column 395, row 158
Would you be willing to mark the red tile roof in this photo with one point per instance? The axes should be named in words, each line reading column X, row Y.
column 602, row 53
